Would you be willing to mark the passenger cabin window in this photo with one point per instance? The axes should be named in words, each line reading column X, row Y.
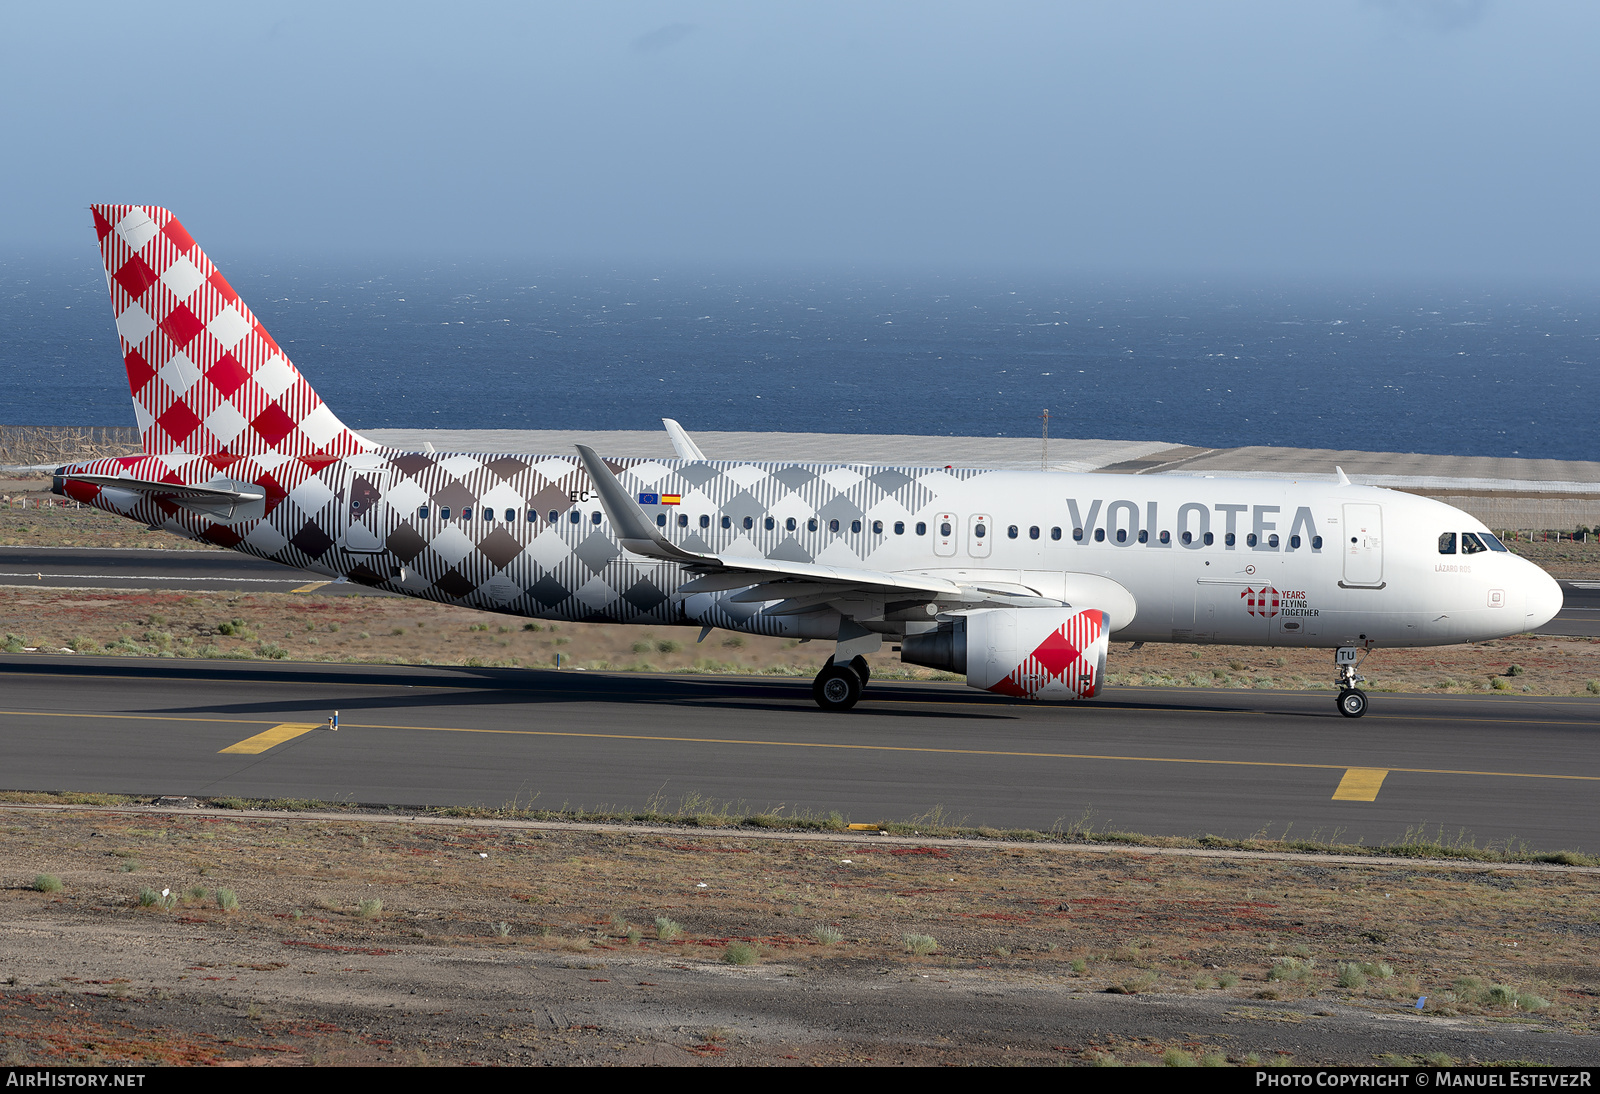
column 922, row 528
column 1011, row 531
column 727, row 522
column 979, row 530
column 683, row 520
column 661, row 520
column 575, row 518
column 789, row 525
column 877, row 527
column 1316, row 543
column 855, row 527
column 1228, row 540
column 944, row 528
column 1033, row 532
column 1272, row 541
column 833, row 526
column 1077, row 534
column 1250, row 540
column 594, row 518
column 511, row 516
column 811, row 524
column 422, row 513
column 705, row 521
column 1144, row 535
column 1122, row 535
column 899, row 527
column 1055, row 533
column 488, row 514
column 768, row 524
column 1187, row 537
column 1209, row 539
column 554, row 516
column 466, row 512
column 1471, row 544
column 1166, row 537
column 444, row 512
column 749, row 522
column 533, row 516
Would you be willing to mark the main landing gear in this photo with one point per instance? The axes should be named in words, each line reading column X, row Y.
column 1352, row 701
column 838, row 687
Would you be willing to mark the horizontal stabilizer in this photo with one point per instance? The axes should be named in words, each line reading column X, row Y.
column 212, row 499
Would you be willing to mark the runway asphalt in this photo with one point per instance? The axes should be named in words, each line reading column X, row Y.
column 1490, row 769
column 210, row 571
column 141, row 568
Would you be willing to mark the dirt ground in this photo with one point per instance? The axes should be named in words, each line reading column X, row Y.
column 501, row 942
column 341, row 627
column 400, row 939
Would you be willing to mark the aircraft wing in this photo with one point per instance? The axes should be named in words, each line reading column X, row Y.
column 802, row 585
column 682, row 443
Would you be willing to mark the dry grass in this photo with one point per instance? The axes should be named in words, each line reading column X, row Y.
column 1132, row 922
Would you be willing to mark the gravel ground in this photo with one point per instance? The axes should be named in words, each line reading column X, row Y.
column 518, row 943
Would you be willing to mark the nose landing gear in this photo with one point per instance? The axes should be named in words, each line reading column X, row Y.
column 1352, row 701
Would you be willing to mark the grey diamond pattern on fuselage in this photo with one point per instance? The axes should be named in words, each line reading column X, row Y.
column 546, row 564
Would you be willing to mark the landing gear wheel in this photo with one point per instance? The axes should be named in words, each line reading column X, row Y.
column 863, row 670
column 1352, row 702
column 837, row 687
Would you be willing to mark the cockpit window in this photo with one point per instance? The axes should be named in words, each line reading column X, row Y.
column 1471, row 544
column 1492, row 540
column 1447, row 543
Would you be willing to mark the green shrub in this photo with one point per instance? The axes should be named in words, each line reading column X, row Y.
column 667, row 930
column 227, row 900
column 919, row 944
column 370, row 909
column 1351, row 976
column 740, row 953
column 826, row 935
column 1290, row 968
column 47, row 883
column 148, row 897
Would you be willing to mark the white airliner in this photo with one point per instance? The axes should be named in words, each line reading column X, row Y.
column 1017, row 580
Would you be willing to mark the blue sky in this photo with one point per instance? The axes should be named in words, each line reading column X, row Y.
column 1368, row 138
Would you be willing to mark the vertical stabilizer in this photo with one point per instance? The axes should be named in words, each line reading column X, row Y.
column 206, row 377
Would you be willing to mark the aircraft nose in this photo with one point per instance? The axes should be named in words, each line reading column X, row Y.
column 1544, row 598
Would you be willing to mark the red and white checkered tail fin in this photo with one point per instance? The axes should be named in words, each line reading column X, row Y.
column 206, row 377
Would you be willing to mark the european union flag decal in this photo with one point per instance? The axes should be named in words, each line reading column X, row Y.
column 649, row 499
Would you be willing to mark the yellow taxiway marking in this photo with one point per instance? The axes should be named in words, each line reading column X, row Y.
column 835, row 746
column 310, row 587
column 1360, row 784
column 278, row 734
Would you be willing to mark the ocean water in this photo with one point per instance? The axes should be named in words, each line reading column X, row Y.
column 496, row 345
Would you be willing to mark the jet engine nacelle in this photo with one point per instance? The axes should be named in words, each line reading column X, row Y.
column 1034, row 653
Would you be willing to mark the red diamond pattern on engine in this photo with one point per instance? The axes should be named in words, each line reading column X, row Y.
column 1059, row 657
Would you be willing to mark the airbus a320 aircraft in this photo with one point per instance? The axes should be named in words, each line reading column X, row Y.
column 1016, row 579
